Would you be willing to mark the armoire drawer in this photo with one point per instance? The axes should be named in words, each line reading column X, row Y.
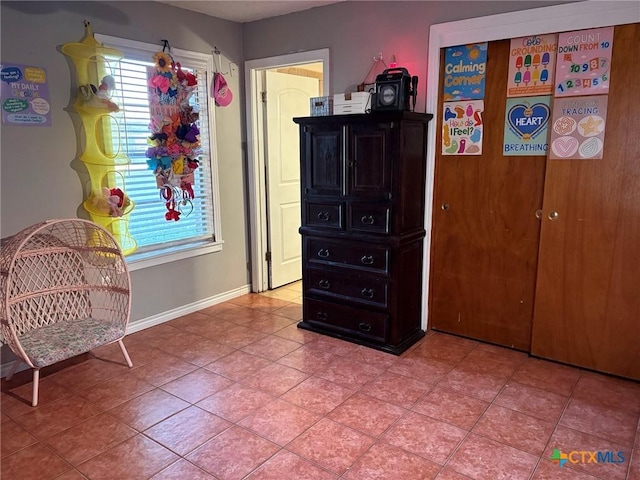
column 352, row 321
column 326, row 215
column 361, row 255
column 367, row 289
column 368, row 218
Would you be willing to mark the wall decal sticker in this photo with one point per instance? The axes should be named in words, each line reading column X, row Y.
column 24, row 95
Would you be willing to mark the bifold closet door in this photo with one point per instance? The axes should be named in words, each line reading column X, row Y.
column 485, row 232
column 587, row 307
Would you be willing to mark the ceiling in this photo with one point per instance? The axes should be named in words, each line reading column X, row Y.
column 241, row 11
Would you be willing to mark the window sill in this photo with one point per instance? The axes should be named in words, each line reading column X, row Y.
column 139, row 261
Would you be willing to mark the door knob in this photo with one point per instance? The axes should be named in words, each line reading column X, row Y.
column 539, row 214
column 445, row 206
column 553, row 216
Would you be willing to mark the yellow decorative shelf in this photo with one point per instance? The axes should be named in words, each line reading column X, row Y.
column 101, row 152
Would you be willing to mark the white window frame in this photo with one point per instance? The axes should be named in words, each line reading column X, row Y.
column 159, row 256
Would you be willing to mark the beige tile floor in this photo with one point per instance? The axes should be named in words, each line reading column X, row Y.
column 238, row 391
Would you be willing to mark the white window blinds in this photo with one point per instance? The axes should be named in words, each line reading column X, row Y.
column 199, row 222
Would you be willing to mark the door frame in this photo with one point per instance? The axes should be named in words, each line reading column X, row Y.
column 256, row 158
column 538, row 21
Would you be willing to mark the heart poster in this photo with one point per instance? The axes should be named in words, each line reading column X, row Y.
column 462, row 127
column 526, row 126
column 578, row 127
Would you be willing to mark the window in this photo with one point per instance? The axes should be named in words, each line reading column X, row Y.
column 198, row 229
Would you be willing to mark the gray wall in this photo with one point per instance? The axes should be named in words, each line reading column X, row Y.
column 356, row 31
column 38, row 182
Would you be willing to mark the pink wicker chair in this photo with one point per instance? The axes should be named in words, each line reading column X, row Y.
column 65, row 290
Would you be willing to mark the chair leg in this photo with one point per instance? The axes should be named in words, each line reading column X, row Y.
column 14, row 367
column 36, row 381
column 125, row 353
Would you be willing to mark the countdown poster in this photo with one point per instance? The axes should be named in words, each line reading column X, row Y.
column 584, row 62
column 578, row 127
column 464, row 72
column 526, row 126
column 24, row 95
column 532, row 62
column 462, row 127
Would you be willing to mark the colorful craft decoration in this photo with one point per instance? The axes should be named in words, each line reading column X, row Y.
column 175, row 137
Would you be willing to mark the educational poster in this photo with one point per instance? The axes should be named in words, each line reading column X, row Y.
column 532, row 62
column 464, row 72
column 584, row 62
column 462, row 128
column 577, row 128
column 24, row 95
column 526, row 126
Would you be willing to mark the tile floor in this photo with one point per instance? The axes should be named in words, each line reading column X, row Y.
column 237, row 391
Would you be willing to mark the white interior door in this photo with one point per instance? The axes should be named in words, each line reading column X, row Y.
column 287, row 97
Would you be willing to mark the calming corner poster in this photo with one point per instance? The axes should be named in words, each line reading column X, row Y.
column 464, row 72
column 462, row 128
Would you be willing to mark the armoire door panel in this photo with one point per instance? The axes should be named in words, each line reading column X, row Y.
column 370, row 160
column 485, row 233
column 324, row 171
column 587, row 309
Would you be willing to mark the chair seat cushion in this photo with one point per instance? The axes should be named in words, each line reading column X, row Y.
column 60, row 341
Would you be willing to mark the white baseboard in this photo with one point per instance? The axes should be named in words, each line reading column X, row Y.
column 157, row 319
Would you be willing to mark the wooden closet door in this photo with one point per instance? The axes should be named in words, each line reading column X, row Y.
column 587, row 309
column 485, row 243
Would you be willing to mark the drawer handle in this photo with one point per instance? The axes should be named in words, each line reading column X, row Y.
column 323, row 252
column 367, row 219
column 365, row 327
column 367, row 259
column 324, row 284
column 322, row 316
column 324, row 216
column 367, row 292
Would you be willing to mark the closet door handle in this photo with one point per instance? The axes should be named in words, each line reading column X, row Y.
column 553, row 216
column 323, row 252
column 367, row 259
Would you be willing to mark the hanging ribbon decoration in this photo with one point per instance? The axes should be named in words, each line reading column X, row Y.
column 175, row 137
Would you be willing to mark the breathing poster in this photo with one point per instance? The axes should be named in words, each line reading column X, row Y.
column 462, row 128
column 526, row 126
column 532, row 63
column 464, row 72
column 24, row 95
column 584, row 62
column 578, row 127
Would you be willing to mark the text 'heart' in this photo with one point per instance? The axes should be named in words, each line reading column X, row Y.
column 528, row 121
